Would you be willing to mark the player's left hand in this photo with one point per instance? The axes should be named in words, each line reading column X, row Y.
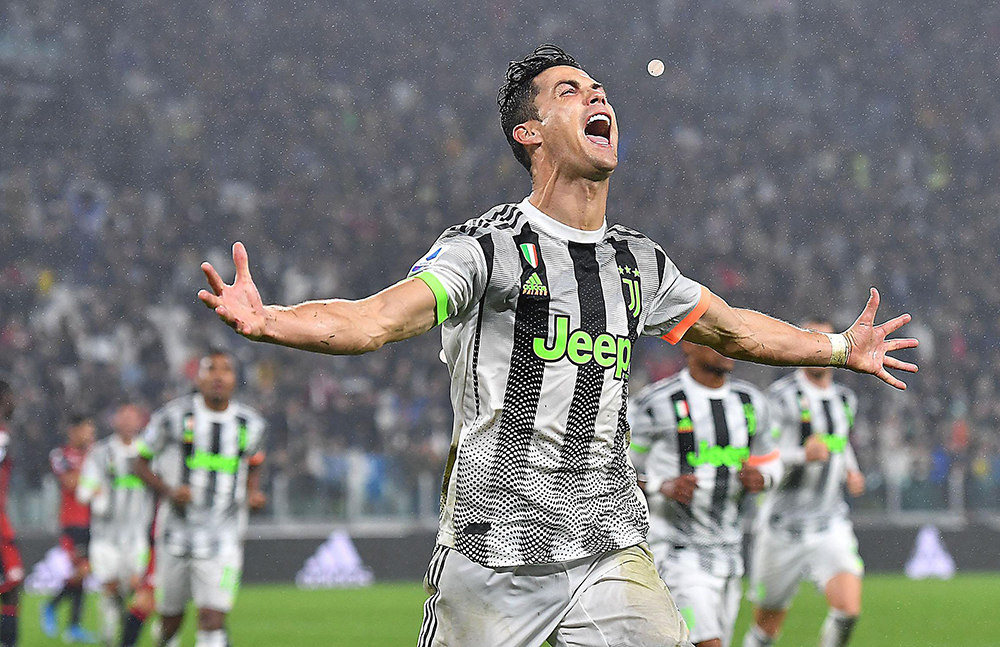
column 239, row 304
column 256, row 499
column 867, row 345
column 855, row 483
column 752, row 479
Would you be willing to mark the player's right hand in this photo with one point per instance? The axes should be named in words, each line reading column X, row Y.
column 181, row 495
column 239, row 304
column 816, row 449
column 680, row 489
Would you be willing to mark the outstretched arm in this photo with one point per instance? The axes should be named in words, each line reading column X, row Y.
column 756, row 337
column 335, row 326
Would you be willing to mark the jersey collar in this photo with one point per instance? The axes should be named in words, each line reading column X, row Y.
column 203, row 410
column 558, row 229
column 809, row 387
column 697, row 387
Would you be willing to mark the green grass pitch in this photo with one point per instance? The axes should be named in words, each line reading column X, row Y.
column 897, row 613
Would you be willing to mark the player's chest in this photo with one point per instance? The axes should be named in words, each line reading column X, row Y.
column 575, row 287
column 714, row 433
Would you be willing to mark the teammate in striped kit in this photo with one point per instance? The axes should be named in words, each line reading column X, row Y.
column 121, row 510
column 542, row 531
column 208, row 452
column 11, row 567
column 803, row 527
column 701, row 442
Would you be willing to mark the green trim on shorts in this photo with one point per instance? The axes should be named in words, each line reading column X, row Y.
column 440, row 295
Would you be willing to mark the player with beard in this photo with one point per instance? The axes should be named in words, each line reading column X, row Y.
column 11, row 568
column 208, row 450
column 542, row 531
column 701, row 442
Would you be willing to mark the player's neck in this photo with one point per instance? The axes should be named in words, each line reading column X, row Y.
column 822, row 381
column 576, row 202
column 706, row 378
column 216, row 404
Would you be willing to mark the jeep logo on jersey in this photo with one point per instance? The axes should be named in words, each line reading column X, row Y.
column 718, row 456
column 581, row 348
column 633, row 287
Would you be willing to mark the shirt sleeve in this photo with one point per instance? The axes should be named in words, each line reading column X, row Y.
column 849, row 455
column 455, row 271
column 651, row 426
column 785, row 428
column 765, row 453
column 256, row 450
column 90, row 482
column 678, row 303
column 155, row 436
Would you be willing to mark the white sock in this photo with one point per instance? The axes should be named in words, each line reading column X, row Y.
column 757, row 638
column 110, row 618
column 215, row 638
column 837, row 629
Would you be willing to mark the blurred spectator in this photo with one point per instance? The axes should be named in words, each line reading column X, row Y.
column 792, row 155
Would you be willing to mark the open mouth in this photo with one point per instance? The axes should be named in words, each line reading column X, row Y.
column 598, row 129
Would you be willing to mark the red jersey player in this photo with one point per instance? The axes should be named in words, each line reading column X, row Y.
column 74, row 518
column 11, row 569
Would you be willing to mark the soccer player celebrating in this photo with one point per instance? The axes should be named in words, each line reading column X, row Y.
column 803, row 529
column 208, row 451
column 121, row 509
column 542, row 532
column 700, row 442
column 74, row 518
column 11, row 568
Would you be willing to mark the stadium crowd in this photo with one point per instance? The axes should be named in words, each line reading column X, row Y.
column 337, row 140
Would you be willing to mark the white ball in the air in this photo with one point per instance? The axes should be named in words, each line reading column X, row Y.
column 655, row 67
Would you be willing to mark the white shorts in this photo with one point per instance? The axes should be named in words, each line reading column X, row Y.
column 118, row 562
column 211, row 583
column 709, row 603
column 779, row 562
column 612, row 599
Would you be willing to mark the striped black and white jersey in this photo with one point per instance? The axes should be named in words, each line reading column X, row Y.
column 680, row 426
column 211, row 452
column 810, row 495
column 539, row 321
column 121, row 507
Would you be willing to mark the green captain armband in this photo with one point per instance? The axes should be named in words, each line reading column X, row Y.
column 143, row 450
column 639, row 449
column 440, row 295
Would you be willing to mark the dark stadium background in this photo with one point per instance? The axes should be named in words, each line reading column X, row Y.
column 793, row 154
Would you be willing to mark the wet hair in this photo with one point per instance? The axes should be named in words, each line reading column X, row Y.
column 76, row 418
column 516, row 97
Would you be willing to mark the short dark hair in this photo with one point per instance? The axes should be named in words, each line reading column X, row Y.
column 214, row 351
column 77, row 418
column 516, row 97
